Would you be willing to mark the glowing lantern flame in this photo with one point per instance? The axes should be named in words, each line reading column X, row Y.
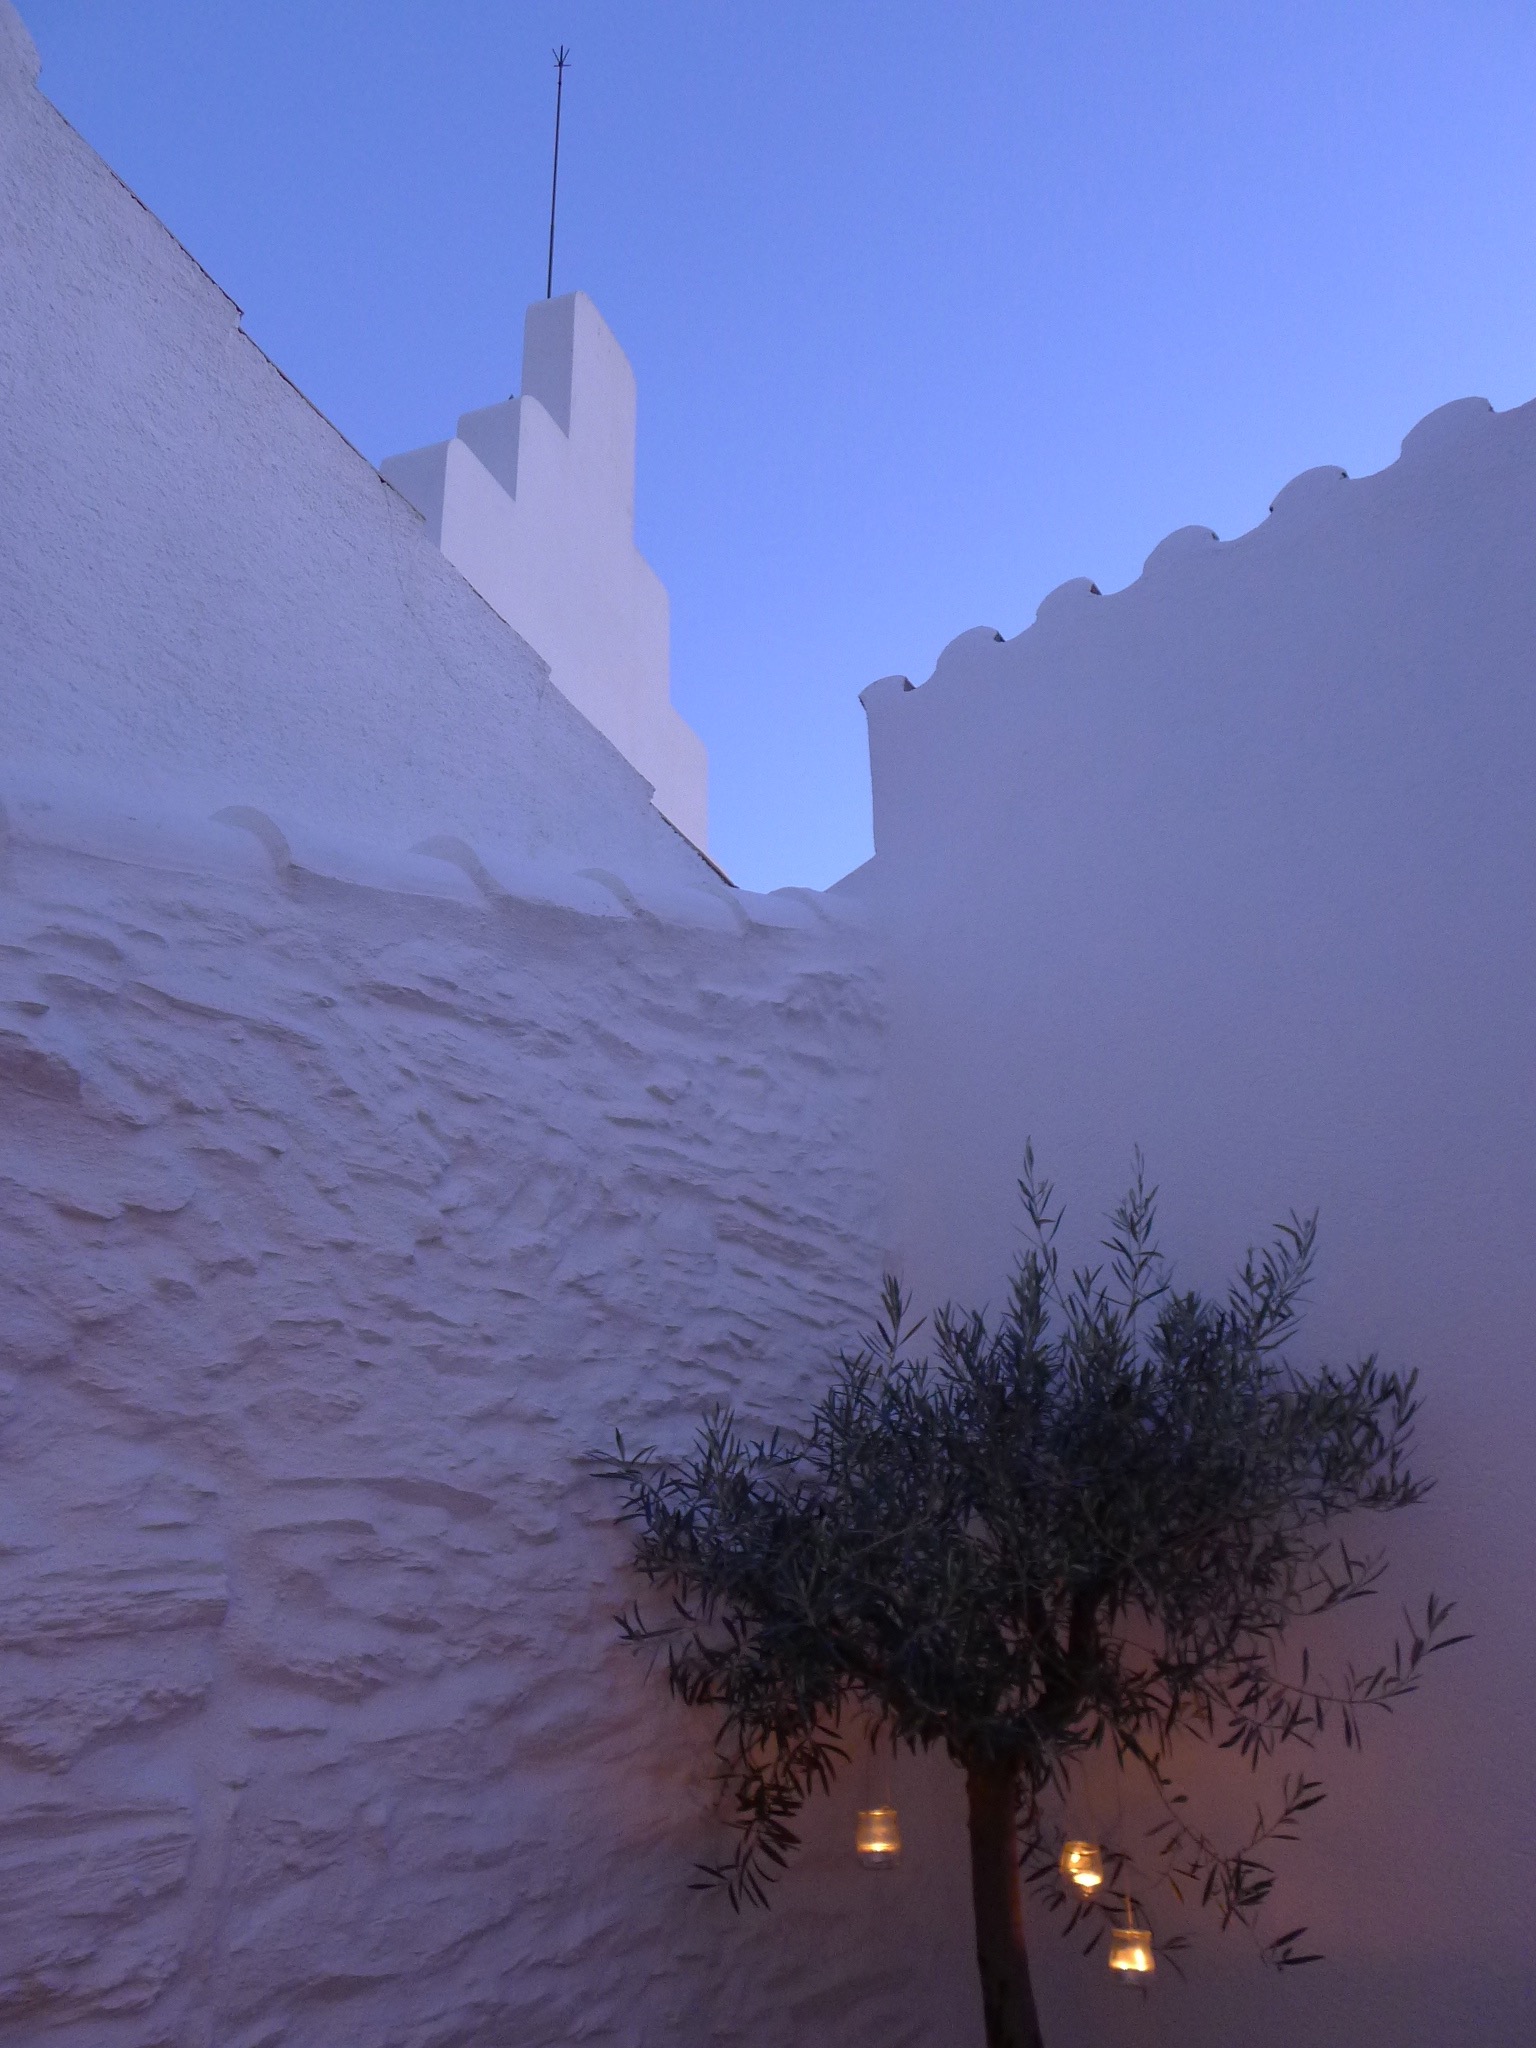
column 1082, row 1865
column 877, row 1838
column 1130, row 1949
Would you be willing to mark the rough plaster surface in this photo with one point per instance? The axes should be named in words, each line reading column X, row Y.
column 534, row 501
column 1237, row 863
column 367, row 1154
column 337, row 1224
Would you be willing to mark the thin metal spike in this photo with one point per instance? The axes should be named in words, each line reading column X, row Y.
column 562, row 57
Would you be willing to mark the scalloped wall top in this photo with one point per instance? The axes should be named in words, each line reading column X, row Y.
column 1452, row 436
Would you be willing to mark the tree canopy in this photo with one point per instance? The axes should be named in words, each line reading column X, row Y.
column 1097, row 1521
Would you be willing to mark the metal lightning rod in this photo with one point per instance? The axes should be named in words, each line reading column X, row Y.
column 562, row 57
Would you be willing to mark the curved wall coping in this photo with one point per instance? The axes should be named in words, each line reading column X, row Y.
column 1443, row 438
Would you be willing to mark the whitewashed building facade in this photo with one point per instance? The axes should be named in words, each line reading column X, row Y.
column 392, row 1103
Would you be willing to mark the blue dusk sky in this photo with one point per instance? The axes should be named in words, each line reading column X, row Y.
column 931, row 307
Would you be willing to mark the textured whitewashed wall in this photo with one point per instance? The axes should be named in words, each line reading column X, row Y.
column 348, row 1192
column 337, row 1224
column 365, row 1157
column 1237, row 863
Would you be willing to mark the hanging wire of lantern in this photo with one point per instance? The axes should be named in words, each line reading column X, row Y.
column 1130, row 1948
column 1082, row 1865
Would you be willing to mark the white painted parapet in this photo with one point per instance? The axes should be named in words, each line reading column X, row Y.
column 1237, row 863
column 533, row 501
column 208, row 598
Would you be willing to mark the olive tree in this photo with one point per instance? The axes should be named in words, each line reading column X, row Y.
column 1097, row 1522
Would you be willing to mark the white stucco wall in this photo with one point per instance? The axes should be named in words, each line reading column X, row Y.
column 203, row 586
column 534, row 501
column 368, row 1154
column 336, row 1223
column 392, row 1104
column 1237, row 864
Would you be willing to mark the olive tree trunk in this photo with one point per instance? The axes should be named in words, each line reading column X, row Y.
column 1007, row 1997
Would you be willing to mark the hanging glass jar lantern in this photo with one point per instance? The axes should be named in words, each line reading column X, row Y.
column 1130, row 1949
column 1083, row 1865
column 877, row 1838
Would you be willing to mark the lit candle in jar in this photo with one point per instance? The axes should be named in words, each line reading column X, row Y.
column 877, row 1837
column 1130, row 1948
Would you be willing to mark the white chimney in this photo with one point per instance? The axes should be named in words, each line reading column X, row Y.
column 533, row 502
